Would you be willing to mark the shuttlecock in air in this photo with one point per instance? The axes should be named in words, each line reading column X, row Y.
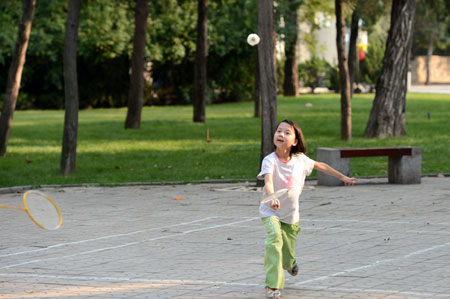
column 253, row 39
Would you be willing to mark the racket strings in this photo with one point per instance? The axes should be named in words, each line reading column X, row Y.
column 43, row 211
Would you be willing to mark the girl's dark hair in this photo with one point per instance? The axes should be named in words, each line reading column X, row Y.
column 301, row 144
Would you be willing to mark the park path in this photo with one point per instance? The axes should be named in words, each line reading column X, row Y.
column 374, row 240
column 432, row 88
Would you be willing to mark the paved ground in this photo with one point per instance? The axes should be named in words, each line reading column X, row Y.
column 374, row 240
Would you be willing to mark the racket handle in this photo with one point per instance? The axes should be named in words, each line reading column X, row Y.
column 267, row 200
column 11, row 208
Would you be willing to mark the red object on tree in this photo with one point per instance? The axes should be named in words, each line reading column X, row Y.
column 362, row 55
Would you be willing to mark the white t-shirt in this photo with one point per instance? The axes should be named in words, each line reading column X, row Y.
column 286, row 175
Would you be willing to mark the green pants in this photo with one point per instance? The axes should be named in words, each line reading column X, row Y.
column 281, row 241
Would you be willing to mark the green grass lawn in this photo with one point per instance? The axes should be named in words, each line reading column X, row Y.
column 170, row 147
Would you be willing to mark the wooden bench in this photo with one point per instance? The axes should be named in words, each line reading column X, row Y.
column 405, row 163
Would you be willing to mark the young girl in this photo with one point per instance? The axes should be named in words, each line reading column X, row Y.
column 287, row 168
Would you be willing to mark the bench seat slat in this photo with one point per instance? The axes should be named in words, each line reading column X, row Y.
column 375, row 151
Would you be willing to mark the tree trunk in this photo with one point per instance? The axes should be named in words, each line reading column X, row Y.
column 69, row 145
column 257, row 91
column 136, row 92
column 352, row 51
column 268, row 80
column 428, row 59
column 290, row 84
column 344, row 77
column 15, row 74
column 200, row 62
column 387, row 117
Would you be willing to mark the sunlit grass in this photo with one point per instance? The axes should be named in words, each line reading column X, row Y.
column 170, row 147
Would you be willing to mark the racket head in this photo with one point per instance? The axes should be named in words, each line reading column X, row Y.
column 278, row 194
column 42, row 210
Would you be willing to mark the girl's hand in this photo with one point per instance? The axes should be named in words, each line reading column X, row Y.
column 275, row 204
column 348, row 181
column 325, row 168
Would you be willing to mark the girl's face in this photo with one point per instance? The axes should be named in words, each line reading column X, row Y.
column 284, row 137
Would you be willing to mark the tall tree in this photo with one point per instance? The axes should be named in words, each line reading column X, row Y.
column 352, row 50
column 256, row 90
column 290, row 84
column 387, row 117
column 69, row 144
column 268, row 80
column 136, row 92
column 200, row 62
column 15, row 74
column 344, row 77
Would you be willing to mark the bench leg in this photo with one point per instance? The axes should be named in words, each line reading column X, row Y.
column 406, row 169
column 333, row 158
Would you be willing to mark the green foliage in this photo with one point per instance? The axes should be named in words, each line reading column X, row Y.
column 170, row 147
column 106, row 30
column 230, row 58
column 432, row 24
column 311, row 70
column 373, row 12
column 370, row 68
column 172, row 34
column 332, row 77
column 318, row 72
column 106, row 39
column 47, row 31
column 230, row 23
column 172, row 31
column 10, row 12
column 280, row 75
column 285, row 10
column 9, row 20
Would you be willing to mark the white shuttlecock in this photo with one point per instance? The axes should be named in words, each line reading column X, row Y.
column 253, row 39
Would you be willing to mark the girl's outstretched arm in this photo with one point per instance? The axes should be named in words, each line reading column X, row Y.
column 268, row 181
column 325, row 168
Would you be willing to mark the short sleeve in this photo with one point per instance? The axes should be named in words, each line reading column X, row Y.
column 266, row 167
column 309, row 164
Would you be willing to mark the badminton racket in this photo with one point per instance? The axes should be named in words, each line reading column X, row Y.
column 41, row 209
column 276, row 195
